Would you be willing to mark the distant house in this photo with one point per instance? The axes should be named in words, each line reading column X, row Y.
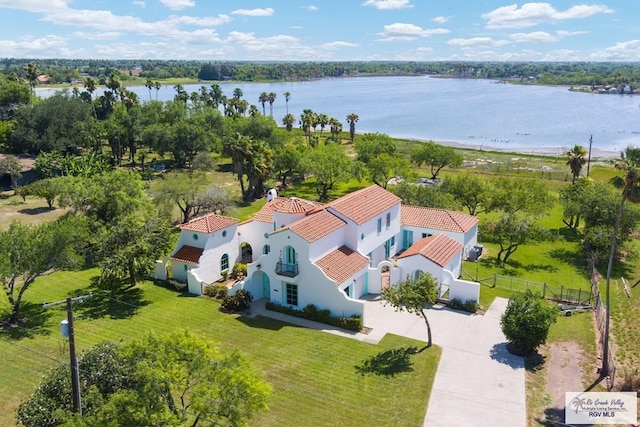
column 300, row 252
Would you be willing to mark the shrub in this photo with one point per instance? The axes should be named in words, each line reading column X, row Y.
column 218, row 291
column 311, row 312
column 455, row 304
column 240, row 301
column 224, row 274
column 471, row 306
column 239, row 270
column 526, row 322
column 178, row 286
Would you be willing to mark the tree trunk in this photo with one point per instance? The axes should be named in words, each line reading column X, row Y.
column 132, row 274
column 426, row 321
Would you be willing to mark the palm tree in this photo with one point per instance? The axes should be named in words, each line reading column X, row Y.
column 113, row 83
column 32, row 72
column 272, row 98
column 629, row 163
column 216, row 95
column 157, row 85
column 575, row 160
column 237, row 93
column 253, row 111
column 288, row 121
column 323, row 120
column 335, row 126
column 149, row 85
column 262, row 99
column 352, row 119
column 90, row 85
column 287, row 97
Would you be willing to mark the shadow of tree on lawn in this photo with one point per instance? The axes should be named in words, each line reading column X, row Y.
column 119, row 302
column 388, row 363
column 33, row 321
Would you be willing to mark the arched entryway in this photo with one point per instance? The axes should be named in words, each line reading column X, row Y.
column 262, row 285
column 385, row 277
column 246, row 253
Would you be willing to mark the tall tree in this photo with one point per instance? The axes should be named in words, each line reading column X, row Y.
column 526, row 322
column 511, row 231
column 32, row 72
column 149, row 85
column 263, row 99
column 287, row 97
column 469, row 190
column 329, row 164
column 436, row 157
column 272, row 98
column 288, row 121
column 412, row 295
column 576, row 158
column 11, row 166
column 27, row 252
column 352, row 119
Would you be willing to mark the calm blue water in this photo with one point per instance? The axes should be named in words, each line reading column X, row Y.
column 477, row 113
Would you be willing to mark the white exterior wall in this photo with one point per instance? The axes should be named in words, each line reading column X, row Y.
column 410, row 264
column 218, row 244
column 253, row 232
column 463, row 290
column 179, row 271
column 356, row 284
column 327, row 244
column 191, row 238
column 468, row 239
column 284, row 219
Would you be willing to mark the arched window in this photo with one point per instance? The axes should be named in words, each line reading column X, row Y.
column 224, row 262
column 266, row 249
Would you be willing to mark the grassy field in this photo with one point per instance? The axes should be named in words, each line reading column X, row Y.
column 314, row 374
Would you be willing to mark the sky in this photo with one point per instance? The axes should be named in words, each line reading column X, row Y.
column 321, row 30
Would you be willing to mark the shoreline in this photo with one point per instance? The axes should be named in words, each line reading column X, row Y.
column 536, row 151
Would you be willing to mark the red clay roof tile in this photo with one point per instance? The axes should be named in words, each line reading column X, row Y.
column 362, row 205
column 208, row 224
column 316, row 225
column 189, row 254
column 439, row 248
column 342, row 263
column 438, row 219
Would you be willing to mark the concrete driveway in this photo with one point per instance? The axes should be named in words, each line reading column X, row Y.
column 478, row 383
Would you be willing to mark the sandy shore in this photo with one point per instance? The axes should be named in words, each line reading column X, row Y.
column 542, row 151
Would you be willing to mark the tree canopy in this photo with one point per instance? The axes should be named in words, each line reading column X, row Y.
column 526, row 322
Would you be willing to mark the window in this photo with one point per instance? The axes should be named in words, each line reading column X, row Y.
column 266, row 235
column 379, row 225
column 224, row 233
column 292, row 294
column 266, row 249
column 393, row 240
column 388, row 220
column 195, row 236
column 370, row 256
column 417, row 274
column 425, row 235
column 224, row 262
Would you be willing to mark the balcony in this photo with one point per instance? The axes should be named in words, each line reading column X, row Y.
column 288, row 270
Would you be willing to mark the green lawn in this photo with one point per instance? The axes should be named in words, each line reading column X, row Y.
column 315, row 376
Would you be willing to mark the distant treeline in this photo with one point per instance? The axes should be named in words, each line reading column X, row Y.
column 553, row 73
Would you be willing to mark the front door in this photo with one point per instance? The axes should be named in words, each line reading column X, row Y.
column 266, row 286
column 407, row 239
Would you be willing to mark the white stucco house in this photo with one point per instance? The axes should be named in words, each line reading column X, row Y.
column 300, row 252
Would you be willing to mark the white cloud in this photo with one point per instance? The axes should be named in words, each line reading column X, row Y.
column 622, row 51
column 477, row 42
column 37, row 6
column 531, row 14
column 207, row 21
column 43, row 46
column 405, row 32
column 310, row 8
column 254, row 12
column 387, row 4
column 138, row 3
column 90, row 35
column 441, row 19
column 178, row 4
column 535, row 37
column 338, row 44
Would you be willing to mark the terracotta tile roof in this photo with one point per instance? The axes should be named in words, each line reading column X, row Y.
column 342, row 263
column 285, row 205
column 438, row 219
column 439, row 249
column 362, row 205
column 187, row 253
column 208, row 224
column 293, row 205
column 316, row 225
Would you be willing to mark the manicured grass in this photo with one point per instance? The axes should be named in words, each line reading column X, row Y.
column 314, row 375
column 33, row 210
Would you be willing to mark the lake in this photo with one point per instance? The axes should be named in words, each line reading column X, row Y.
column 476, row 113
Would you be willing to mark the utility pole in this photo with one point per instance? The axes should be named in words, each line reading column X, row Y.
column 73, row 360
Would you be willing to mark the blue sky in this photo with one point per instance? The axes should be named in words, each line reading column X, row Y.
column 321, row 30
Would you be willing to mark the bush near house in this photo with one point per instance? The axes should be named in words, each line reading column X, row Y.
column 311, row 312
column 218, row 291
column 239, row 270
column 240, row 301
column 470, row 305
